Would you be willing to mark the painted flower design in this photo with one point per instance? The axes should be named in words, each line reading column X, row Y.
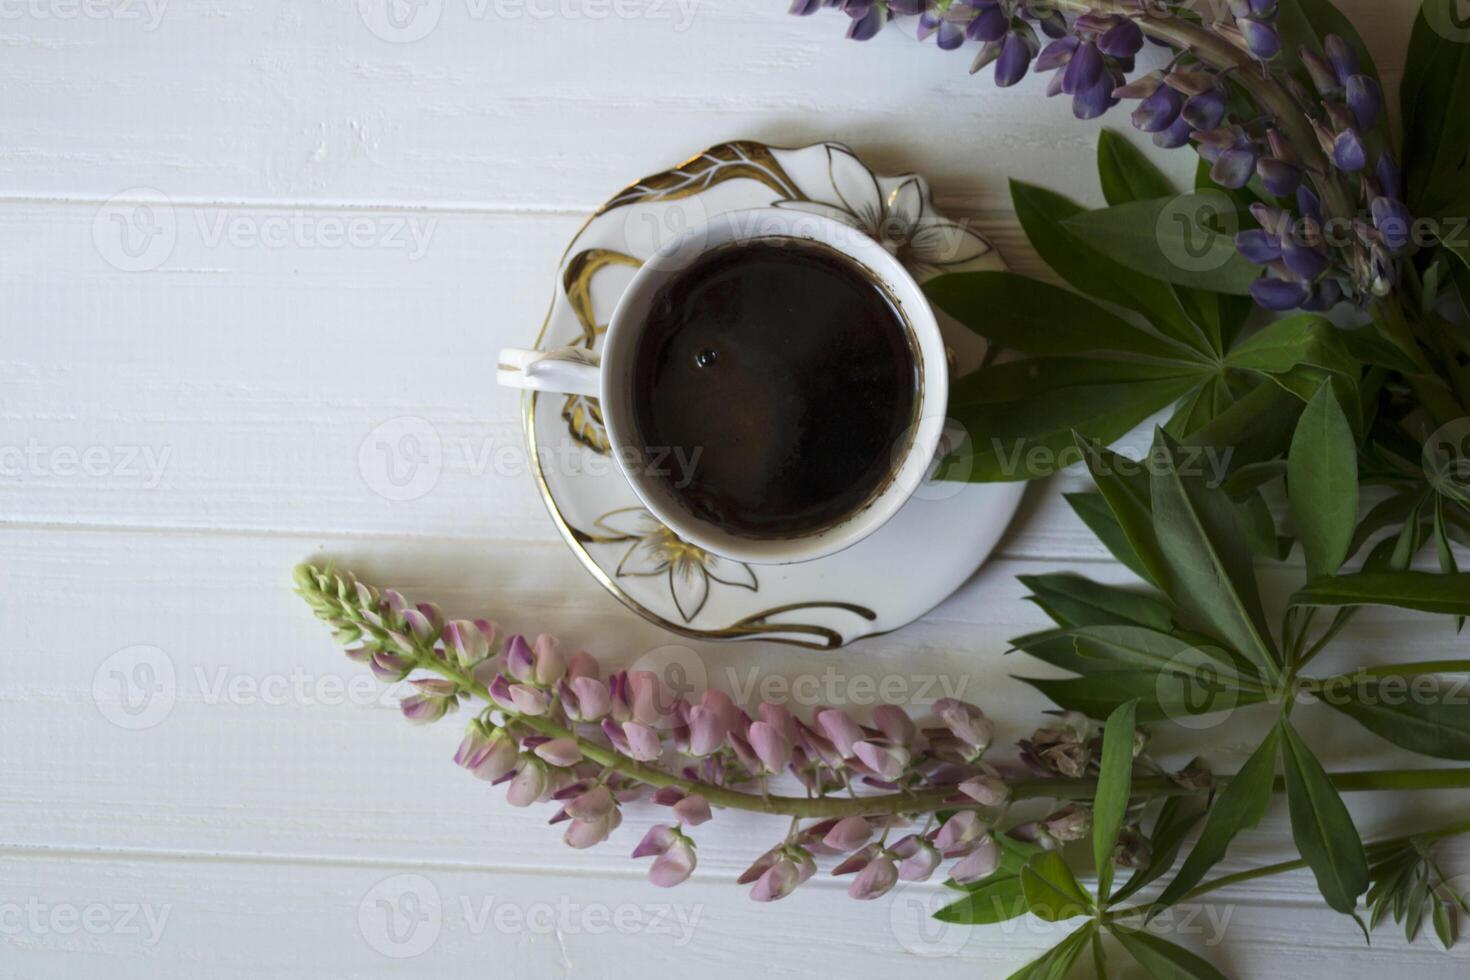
column 655, row 550
column 904, row 221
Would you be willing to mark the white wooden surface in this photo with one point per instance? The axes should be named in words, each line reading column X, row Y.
column 180, row 424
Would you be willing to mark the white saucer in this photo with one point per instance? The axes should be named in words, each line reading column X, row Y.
column 886, row 581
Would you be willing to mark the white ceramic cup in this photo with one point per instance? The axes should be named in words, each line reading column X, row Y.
column 576, row 370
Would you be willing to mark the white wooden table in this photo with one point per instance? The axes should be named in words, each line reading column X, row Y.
column 329, row 224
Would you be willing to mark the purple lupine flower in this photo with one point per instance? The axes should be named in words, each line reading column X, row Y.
column 1122, row 40
column 548, row 664
column 529, row 700
column 1305, row 262
column 894, row 723
column 1342, row 57
column 643, row 742
column 675, row 865
column 1014, row 61
column 388, row 666
column 1258, row 246
column 1278, row 295
column 1365, row 99
column 706, row 731
column 1206, row 110
column 1057, row 54
column 1390, row 177
column 967, row 722
column 840, row 728
column 520, row 662
column 582, row 834
column 777, row 881
column 1159, row 111
column 1348, row 151
column 1393, row 220
column 867, row 26
column 989, row 25
column 592, row 698
column 1175, row 136
column 1261, row 38
column 1084, row 69
column 468, row 641
column 1279, row 177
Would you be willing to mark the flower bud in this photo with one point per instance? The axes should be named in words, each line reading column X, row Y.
column 888, row 761
column 643, row 742
column 979, row 864
column 848, row 834
column 962, row 829
column 529, row 784
column 918, row 859
column 770, row 746
column 561, row 752
column 875, row 880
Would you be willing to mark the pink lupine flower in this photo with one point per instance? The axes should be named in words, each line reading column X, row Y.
column 887, row 760
column 857, row 861
column 614, row 733
column 960, row 830
column 593, row 699
column 500, row 693
column 498, row 758
column 1069, row 823
column 719, row 702
column 980, row 863
column 918, row 859
column 560, row 752
column 583, row 664
column 421, row 709
column 675, row 860
column 587, row 833
column 987, row 790
column 390, row 666
column 875, row 880
column 848, row 834
column 520, row 662
column 841, row 729
column 818, row 745
column 420, row 625
column 475, row 741
column 693, row 810
column 651, row 699
column 967, row 722
column 779, row 718
column 529, row 700
column 466, row 642
column 895, row 724
column 529, row 784
column 548, row 664
column 778, row 881
column 622, row 706
column 643, row 742
column 706, row 731
column 770, row 747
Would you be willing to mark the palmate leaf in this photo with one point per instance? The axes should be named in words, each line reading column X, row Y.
column 1026, row 315
column 1055, row 963
column 1162, row 959
column 1126, row 487
column 1294, row 341
column 1321, row 825
column 1072, row 600
column 1093, row 510
column 1257, row 428
column 1433, row 720
column 1168, row 239
column 1126, row 174
column 1114, row 786
column 997, row 899
column 1052, row 891
column 1208, row 566
column 1042, row 213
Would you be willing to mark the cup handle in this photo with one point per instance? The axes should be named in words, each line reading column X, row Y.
column 567, row 370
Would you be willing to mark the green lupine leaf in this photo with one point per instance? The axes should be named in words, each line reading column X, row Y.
column 1321, row 825
column 1322, row 481
column 1258, row 427
column 1239, row 807
column 1419, row 714
column 1114, row 787
column 1126, row 173
column 1293, row 341
column 1309, row 22
column 1094, row 511
column 1055, row 963
column 1023, row 314
column 1436, row 86
column 997, row 899
column 1083, row 602
column 1177, row 818
column 1209, row 568
column 1162, row 959
column 1420, row 591
column 1041, row 213
column 1023, row 385
column 1052, row 892
column 1171, row 239
column 1125, row 485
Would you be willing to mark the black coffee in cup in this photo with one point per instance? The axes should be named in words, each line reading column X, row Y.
column 785, row 376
